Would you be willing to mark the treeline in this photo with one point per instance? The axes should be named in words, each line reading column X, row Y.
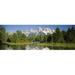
column 17, row 37
column 58, row 36
column 64, row 36
column 2, row 37
column 2, row 34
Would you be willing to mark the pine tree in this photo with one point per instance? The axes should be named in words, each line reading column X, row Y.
column 71, row 35
column 58, row 36
column 2, row 34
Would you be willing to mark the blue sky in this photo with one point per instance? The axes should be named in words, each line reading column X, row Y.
column 14, row 28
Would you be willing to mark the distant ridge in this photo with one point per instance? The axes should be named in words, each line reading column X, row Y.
column 39, row 31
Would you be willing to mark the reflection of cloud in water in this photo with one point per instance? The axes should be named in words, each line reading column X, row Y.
column 46, row 48
column 28, row 47
column 24, row 47
column 31, row 47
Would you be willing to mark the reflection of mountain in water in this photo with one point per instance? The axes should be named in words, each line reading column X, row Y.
column 33, row 47
column 26, row 47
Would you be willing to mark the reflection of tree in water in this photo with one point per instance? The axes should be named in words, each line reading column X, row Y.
column 34, row 47
column 57, row 48
column 2, row 46
column 18, row 47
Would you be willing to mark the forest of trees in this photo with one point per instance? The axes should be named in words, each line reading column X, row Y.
column 2, row 34
column 57, row 37
column 17, row 37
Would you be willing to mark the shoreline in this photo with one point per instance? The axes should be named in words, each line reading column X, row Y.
column 63, row 45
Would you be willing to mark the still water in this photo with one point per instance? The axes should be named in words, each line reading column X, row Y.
column 24, row 47
column 30, row 47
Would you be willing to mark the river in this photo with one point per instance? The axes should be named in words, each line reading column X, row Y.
column 30, row 47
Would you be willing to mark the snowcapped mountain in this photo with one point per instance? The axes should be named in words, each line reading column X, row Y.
column 39, row 31
column 47, row 30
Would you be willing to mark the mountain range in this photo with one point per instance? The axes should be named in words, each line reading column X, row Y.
column 39, row 31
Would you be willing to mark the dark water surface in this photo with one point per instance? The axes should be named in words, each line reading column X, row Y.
column 31, row 47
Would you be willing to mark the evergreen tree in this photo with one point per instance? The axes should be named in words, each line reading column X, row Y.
column 70, row 36
column 49, row 38
column 2, row 34
column 58, row 36
column 64, row 36
column 8, row 40
column 2, row 37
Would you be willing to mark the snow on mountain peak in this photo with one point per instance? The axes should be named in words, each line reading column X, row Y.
column 37, row 31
